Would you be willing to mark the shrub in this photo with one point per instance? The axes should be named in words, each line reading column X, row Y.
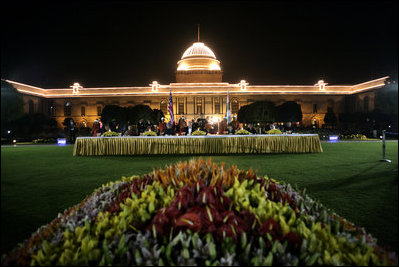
column 110, row 133
column 274, row 131
column 199, row 213
column 198, row 132
column 353, row 137
column 45, row 141
column 242, row 132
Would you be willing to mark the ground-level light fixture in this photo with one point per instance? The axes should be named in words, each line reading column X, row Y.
column 333, row 138
column 61, row 141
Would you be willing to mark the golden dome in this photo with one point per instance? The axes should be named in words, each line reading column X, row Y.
column 198, row 57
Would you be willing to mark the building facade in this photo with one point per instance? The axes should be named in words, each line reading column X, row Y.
column 199, row 92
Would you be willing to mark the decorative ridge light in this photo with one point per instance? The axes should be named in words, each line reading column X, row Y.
column 321, row 85
column 75, row 88
column 243, row 85
column 155, row 86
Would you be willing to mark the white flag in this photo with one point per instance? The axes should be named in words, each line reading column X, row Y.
column 228, row 112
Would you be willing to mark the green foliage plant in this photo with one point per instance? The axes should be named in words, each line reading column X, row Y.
column 274, row 131
column 242, row 132
column 198, row 132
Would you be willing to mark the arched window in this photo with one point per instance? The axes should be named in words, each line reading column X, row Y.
column 234, row 106
column 31, row 107
column 68, row 109
column 163, row 106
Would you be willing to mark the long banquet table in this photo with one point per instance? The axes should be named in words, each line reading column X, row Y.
column 209, row 144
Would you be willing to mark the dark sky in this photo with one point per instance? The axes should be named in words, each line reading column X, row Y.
column 53, row 44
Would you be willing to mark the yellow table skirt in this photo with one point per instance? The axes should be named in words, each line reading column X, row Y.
column 171, row 145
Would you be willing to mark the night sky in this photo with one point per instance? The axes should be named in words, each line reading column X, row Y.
column 52, row 45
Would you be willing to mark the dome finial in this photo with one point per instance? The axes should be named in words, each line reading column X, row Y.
column 198, row 32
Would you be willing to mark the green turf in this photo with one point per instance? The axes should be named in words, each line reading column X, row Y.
column 38, row 182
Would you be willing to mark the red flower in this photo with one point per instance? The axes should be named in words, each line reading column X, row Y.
column 206, row 196
column 228, row 230
column 270, row 226
column 293, row 240
column 190, row 221
column 248, row 221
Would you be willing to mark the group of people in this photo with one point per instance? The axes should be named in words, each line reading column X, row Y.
column 186, row 127
column 180, row 127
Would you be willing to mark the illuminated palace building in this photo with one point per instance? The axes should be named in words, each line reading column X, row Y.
column 199, row 91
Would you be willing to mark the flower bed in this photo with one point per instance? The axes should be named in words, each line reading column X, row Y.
column 199, row 213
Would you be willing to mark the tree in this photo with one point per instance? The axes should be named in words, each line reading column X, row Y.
column 289, row 111
column 31, row 126
column 330, row 117
column 386, row 105
column 157, row 115
column 260, row 111
column 136, row 113
column 242, row 114
column 112, row 113
column 12, row 104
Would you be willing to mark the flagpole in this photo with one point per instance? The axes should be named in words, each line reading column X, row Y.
column 228, row 112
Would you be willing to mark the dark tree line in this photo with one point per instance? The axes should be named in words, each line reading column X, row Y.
column 113, row 114
column 268, row 112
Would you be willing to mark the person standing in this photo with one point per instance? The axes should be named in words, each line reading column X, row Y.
column 182, row 125
column 72, row 131
column 96, row 128
column 190, row 126
column 162, row 126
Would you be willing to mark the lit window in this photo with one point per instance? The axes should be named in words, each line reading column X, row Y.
column 217, row 104
column 181, row 105
column 199, row 105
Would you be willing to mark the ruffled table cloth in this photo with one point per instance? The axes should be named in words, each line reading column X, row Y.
column 209, row 144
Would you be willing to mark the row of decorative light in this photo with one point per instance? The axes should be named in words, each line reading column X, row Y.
column 155, row 86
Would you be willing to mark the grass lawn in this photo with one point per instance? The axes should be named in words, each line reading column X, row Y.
column 38, row 182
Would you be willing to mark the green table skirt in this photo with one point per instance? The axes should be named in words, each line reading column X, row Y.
column 98, row 146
